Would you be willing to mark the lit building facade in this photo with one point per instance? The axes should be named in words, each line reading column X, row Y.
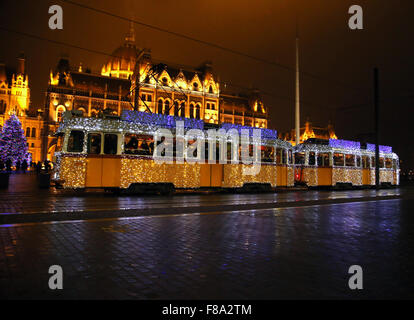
column 310, row 131
column 130, row 80
column 15, row 99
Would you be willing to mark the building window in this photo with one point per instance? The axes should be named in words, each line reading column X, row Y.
column 3, row 106
column 33, row 132
column 82, row 109
column 166, row 107
column 32, row 145
column 27, row 132
column 160, row 106
column 191, row 110
column 182, row 111
column 197, row 111
column 59, row 113
column 176, row 108
column 195, row 86
column 210, row 90
column 146, row 97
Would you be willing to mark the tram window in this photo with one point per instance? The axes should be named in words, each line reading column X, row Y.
column 358, row 161
column 388, row 163
column 323, row 159
column 268, row 154
column 373, row 162
column 338, row 159
column 365, row 162
column 290, row 157
column 138, row 144
column 311, row 159
column 75, row 142
column 350, row 160
column 110, row 143
column 300, row 158
column 284, row 154
column 94, row 143
column 381, row 162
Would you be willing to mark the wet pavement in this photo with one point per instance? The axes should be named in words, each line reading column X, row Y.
column 23, row 197
column 293, row 252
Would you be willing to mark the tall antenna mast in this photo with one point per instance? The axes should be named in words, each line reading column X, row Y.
column 297, row 104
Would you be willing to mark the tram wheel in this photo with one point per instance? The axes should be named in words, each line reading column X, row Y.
column 166, row 189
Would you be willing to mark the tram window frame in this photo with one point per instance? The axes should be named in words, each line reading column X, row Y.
column 381, row 162
column 349, row 160
column 388, row 163
column 106, row 145
column 366, row 164
column 312, row 156
column 337, row 156
column 59, row 142
column 323, row 160
column 279, row 152
column 97, row 134
column 373, row 164
column 290, row 156
column 358, row 161
column 302, row 157
column 138, row 150
column 81, row 142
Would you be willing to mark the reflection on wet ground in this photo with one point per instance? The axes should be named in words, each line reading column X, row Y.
column 262, row 254
column 23, row 196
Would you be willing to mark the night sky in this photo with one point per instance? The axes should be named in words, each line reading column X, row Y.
column 340, row 60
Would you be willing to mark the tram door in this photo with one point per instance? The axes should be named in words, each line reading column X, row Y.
column 103, row 166
column 211, row 175
column 94, row 161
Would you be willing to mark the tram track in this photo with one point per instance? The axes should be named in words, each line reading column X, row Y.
column 105, row 213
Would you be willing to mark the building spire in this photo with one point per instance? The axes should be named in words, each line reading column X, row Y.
column 130, row 37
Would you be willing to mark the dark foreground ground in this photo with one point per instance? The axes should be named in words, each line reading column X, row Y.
column 274, row 253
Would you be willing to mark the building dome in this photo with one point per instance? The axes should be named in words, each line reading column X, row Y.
column 121, row 64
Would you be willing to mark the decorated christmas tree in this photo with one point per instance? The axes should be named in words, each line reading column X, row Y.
column 13, row 143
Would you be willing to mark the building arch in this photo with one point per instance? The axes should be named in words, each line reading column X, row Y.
column 192, row 108
column 167, row 106
column 176, row 108
column 160, row 106
column 59, row 113
column 198, row 111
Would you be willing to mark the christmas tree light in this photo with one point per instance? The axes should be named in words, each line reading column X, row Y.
column 13, row 143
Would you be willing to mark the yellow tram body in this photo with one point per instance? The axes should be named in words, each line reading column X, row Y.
column 332, row 163
column 82, row 168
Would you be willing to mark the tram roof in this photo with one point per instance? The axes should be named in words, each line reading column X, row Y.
column 324, row 145
column 137, row 121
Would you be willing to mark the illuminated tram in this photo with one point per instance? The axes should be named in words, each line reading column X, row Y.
column 343, row 163
column 116, row 153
